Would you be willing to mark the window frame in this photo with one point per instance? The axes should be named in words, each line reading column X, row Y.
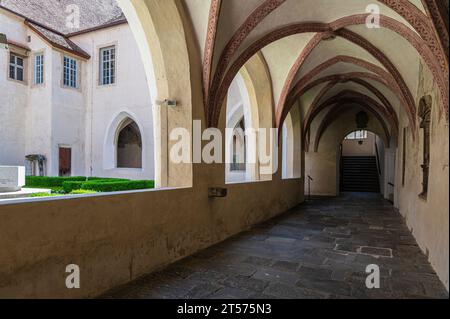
column 354, row 135
column 76, row 73
column 16, row 66
column 42, row 69
column 112, row 79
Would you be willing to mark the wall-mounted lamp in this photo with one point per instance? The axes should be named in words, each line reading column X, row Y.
column 167, row 102
column 3, row 41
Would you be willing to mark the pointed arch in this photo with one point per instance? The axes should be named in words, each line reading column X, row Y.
column 337, row 27
column 334, row 113
column 112, row 138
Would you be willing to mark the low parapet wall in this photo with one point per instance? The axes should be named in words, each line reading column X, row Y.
column 117, row 238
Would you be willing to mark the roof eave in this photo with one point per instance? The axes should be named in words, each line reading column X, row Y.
column 100, row 27
column 80, row 53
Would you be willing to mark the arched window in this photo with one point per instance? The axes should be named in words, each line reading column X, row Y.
column 292, row 146
column 239, row 148
column 129, row 145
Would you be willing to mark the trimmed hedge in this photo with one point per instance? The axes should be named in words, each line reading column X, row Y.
column 71, row 186
column 50, row 182
column 105, row 187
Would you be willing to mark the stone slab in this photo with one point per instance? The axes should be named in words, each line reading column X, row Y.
column 12, row 178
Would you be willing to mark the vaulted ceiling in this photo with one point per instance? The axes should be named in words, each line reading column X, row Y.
column 321, row 53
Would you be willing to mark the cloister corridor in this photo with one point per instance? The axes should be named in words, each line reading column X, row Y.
column 318, row 250
column 224, row 149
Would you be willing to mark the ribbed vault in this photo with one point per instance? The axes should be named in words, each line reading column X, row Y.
column 321, row 53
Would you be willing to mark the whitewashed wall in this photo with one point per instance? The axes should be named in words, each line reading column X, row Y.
column 40, row 119
column 107, row 105
column 13, row 99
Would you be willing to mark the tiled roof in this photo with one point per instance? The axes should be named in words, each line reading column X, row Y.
column 58, row 40
column 54, row 13
column 50, row 18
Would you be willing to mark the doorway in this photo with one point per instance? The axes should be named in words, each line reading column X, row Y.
column 361, row 166
column 65, row 161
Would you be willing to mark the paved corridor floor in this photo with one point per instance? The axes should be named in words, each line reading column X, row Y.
column 318, row 250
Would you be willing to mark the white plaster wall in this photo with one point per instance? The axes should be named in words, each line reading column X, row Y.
column 25, row 109
column 13, row 98
column 106, row 104
column 68, row 110
column 352, row 147
column 40, row 119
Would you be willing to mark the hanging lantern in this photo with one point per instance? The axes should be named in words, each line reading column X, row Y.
column 362, row 120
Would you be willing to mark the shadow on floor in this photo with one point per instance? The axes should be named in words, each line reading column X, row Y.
column 318, row 250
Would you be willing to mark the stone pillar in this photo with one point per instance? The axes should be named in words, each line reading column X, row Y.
column 161, row 145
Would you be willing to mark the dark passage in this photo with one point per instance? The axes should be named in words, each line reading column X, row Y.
column 360, row 174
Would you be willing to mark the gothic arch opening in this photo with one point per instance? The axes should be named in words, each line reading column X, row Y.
column 291, row 143
column 366, row 164
column 241, row 119
column 239, row 148
column 336, row 147
column 129, row 145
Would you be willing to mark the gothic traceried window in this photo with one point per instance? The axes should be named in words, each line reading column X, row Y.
column 425, row 126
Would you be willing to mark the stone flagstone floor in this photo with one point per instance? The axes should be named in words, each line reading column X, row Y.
column 318, row 250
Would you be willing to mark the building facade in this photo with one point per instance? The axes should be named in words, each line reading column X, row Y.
column 78, row 98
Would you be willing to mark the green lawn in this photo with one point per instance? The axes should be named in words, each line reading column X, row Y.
column 80, row 185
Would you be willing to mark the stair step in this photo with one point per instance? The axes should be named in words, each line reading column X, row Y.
column 360, row 177
column 360, row 174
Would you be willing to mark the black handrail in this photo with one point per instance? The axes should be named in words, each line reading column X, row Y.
column 378, row 159
column 341, row 168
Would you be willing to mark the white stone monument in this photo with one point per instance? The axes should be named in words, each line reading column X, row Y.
column 12, row 178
